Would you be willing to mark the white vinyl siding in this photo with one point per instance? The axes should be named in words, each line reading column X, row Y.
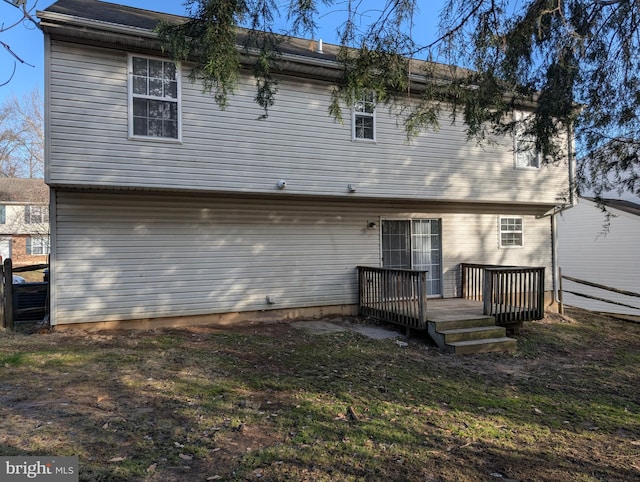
column 134, row 256
column 234, row 151
column 611, row 259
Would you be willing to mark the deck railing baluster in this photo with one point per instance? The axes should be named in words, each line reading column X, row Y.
column 394, row 295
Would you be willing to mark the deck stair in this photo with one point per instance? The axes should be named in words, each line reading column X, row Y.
column 462, row 331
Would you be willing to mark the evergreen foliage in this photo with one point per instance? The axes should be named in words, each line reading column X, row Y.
column 572, row 64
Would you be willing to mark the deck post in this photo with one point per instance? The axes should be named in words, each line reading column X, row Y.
column 8, row 293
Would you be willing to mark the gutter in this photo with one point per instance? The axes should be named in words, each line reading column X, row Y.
column 119, row 34
column 325, row 65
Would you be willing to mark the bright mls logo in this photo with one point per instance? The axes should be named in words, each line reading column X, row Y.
column 50, row 469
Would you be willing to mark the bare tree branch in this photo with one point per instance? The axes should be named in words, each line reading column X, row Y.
column 22, row 136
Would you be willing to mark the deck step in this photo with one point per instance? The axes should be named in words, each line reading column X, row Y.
column 474, row 333
column 482, row 346
column 465, row 334
column 462, row 323
column 502, row 344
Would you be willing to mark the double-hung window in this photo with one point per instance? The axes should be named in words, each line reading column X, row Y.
column 363, row 122
column 36, row 214
column 511, row 233
column 154, row 98
column 526, row 155
column 37, row 245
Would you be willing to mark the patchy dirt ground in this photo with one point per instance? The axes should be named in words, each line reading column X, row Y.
column 275, row 403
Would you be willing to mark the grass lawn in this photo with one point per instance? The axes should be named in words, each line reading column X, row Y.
column 269, row 402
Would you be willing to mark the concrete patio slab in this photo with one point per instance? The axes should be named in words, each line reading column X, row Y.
column 376, row 332
column 318, row 327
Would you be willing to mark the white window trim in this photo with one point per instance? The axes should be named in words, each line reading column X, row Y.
column 410, row 220
column 131, row 135
column 31, row 218
column 500, row 245
column 44, row 243
column 354, row 115
column 517, row 138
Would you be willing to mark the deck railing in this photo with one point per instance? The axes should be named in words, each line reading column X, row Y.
column 511, row 294
column 394, row 295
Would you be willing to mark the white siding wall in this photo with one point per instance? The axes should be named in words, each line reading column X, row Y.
column 233, row 151
column 15, row 222
column 612, row 260
column 130, row 256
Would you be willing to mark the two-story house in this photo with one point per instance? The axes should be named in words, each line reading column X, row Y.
column 166, row 208
column 24, row 220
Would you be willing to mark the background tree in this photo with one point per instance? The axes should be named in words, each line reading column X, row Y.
column 22, row 136
column 24, row 15
column 574, row 63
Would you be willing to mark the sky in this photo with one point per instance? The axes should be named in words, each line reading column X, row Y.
column 27, row 41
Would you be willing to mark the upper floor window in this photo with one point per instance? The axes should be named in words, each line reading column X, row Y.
column 36, row 214
column 525, row 153
column 511, row 233
column 3, row 214
column 363, row 123
column 154, row 98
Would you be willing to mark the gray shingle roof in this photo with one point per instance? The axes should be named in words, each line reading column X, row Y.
column 112, row 13
column 121, row 15
column 23, row 191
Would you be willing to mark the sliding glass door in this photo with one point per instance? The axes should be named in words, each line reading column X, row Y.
column 414, row 244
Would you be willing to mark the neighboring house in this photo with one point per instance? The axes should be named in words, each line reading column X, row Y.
column 165, row 206
column 601, row 247
column 24, row 220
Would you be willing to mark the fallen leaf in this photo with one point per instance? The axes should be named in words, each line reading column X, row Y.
column 185, row 457
column 117, row 459
column 152, row 467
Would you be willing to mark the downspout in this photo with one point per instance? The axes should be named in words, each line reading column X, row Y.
column 52, row 309
column 556, row 212
column 554, row 259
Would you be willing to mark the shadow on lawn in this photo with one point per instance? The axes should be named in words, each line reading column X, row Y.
column 278, row 404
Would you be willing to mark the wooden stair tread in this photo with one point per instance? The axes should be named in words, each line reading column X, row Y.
column 485, row 341
column 475, row 329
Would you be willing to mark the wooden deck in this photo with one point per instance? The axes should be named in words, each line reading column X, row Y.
column 452, row 309
column 495, row 299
